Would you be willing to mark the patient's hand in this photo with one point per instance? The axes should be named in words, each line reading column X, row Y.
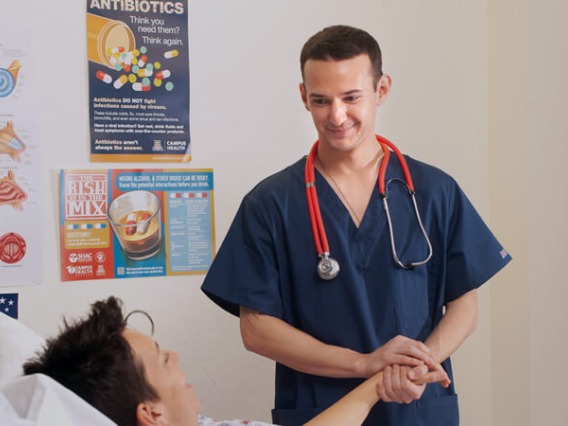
column 403, row 384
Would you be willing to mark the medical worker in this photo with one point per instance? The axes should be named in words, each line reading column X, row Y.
column 355, row 259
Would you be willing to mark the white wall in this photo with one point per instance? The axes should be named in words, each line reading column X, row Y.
column 247, row 121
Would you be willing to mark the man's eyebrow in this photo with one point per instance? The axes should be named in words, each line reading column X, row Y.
column 157, row 347
column 350, row 92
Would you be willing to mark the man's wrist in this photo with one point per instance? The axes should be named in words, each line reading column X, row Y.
column 361, row 367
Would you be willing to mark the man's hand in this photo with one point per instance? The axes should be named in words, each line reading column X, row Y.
column 403, row 384
column 402, row 351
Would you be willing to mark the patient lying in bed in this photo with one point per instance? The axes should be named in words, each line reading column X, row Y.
column 128, row 378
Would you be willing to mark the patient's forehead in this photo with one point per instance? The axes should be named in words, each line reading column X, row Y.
column 144, row 346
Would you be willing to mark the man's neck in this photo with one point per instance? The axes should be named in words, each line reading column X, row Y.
column 359, row 160
column 353, row 176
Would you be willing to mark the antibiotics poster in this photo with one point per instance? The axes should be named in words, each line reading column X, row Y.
column 21, row 201
column 127, row 223
column 138, row 80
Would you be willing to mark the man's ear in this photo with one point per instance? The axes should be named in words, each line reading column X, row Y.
column 304, row 96
column 151, row 414
column 383, row 88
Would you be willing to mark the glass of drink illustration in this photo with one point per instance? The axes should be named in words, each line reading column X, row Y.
column 136, row 221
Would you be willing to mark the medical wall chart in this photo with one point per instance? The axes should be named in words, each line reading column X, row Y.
column 21, row 202
column 138, row 80
column 126, row 223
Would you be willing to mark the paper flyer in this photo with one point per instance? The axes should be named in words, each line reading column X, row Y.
column 138, row 80
column 127, row 223
column 21, row 201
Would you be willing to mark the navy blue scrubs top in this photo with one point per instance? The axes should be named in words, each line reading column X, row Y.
column 268, row 260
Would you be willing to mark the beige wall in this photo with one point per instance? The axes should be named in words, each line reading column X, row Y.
column 548, row 149
column 528, row 67
column 510, row 209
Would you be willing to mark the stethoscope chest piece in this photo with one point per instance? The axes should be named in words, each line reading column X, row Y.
column 328, row 268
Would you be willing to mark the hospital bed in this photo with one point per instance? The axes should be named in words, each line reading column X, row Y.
column 38, row 400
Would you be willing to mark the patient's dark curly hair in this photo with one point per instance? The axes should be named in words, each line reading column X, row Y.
column 92, row 358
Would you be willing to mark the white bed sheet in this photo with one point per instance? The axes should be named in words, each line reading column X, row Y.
column 39, row 400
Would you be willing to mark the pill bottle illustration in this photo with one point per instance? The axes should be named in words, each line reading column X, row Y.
column 106, row 37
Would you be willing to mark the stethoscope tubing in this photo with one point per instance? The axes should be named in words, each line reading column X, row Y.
column 411, row 191
column 384, row 142
column 318, row 230
column 409, row 265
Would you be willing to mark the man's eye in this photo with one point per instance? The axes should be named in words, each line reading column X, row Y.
column 319, row 102
column 351, row 99
column 167, row 357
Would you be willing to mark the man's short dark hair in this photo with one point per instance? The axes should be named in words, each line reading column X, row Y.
column 339, row 42
column 92, row 358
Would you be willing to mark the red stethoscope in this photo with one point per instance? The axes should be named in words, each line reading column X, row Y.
column 328, row 267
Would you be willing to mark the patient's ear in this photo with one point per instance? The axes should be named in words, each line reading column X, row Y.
column 151, row 414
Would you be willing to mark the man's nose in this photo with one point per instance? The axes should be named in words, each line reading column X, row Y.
column 337, row 113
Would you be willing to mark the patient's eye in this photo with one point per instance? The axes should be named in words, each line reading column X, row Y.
column 166, row 357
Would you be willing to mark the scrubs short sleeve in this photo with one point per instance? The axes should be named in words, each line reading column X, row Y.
column 248, row 253
column 473, row 254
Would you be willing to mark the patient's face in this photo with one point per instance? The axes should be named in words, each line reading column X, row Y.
column 163, row 373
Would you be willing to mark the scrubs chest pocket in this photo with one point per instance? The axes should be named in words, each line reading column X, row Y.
column 414, row 319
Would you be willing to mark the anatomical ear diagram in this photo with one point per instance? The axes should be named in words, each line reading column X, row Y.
column 10, row 143
column 9, row 78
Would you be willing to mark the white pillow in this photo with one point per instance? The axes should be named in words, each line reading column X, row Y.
column 18, row 343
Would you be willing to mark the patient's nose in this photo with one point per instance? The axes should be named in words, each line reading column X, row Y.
column 174, row 356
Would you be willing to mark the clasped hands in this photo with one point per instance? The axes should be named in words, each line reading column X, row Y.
column 407, row 366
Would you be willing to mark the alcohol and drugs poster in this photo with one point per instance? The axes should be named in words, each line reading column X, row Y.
column 138, row 80
column 127, row 223
column 21, row 201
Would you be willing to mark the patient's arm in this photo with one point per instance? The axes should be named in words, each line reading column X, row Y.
column 354, row 407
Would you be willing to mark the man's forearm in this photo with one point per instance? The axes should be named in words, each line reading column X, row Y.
column 277, row 340
column 458, row 323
